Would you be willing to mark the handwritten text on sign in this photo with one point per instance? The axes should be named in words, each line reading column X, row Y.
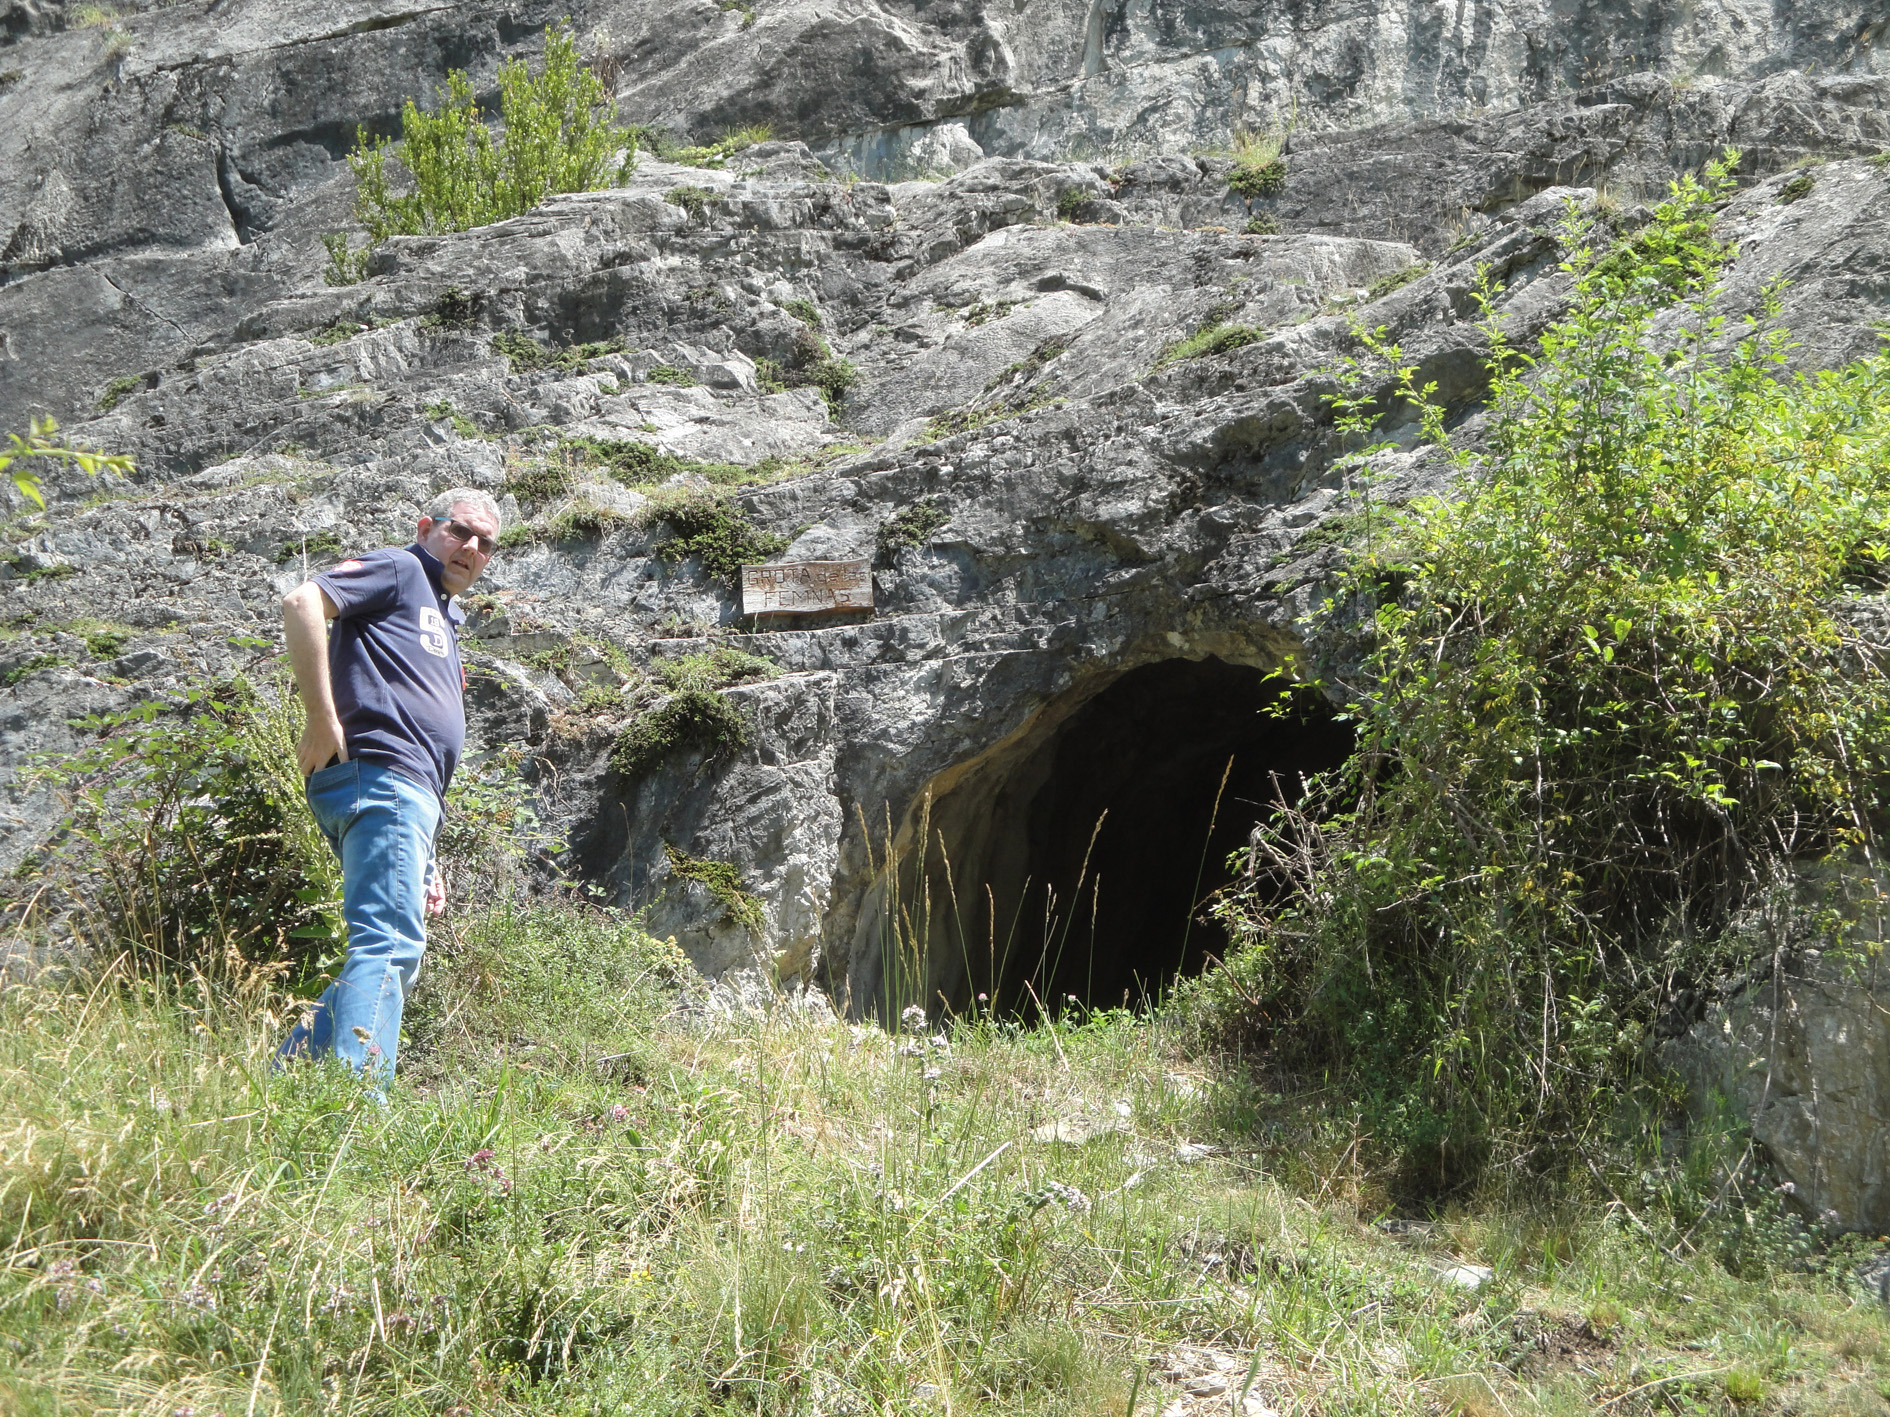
column 801, row 587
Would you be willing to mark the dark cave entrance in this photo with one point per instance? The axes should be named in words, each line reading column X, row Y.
column 1082, row 853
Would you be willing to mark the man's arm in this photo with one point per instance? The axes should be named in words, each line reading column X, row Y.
column 306, row 611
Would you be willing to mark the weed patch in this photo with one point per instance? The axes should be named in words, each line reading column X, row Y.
column 644, row 465
column 1259, row 168
column 691, row 720
column 671, row 374
column 528, row 356
column 723, row 881
column 444, row 412
column 1795, row 190
column 718, row 668
column 708, row 526
column 910, row 526
column 325, row 542
column 694, row 200
column 709, row 155
column 1397, row 280
column 1204, row 344
column 116, row 390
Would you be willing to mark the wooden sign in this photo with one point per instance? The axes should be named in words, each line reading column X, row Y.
column 803, row 587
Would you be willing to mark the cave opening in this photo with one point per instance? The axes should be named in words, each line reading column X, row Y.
column 1078, row 860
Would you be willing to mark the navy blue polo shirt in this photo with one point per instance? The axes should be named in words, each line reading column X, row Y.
column 393, row 659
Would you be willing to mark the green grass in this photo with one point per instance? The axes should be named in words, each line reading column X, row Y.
column 577, row 1203
column 1215, row 339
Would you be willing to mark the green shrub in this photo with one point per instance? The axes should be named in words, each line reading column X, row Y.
column 538, row 481
column 1263, row 225
column 670, row 374
column 813, row 365
column 26, row 670
column 1606, row 704
column 582, row 520
column 708, row 526
column 560, row 135
column 805, row 311
column 102, row 640
column 189, row 843
column 692, row 720
column 344, row 267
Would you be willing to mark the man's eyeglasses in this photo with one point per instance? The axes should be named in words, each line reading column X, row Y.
column 466, row 536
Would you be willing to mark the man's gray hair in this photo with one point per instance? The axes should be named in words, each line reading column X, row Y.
column 441, row 507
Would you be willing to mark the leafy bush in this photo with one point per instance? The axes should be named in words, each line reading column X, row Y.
column 709, row 526
column 22, row 456
column 560, row 135
column 188, row 842
column 345, row 267
column 1606, row 703
column 670, row 374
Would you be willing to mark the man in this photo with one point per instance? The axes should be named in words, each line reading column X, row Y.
column 386, row 721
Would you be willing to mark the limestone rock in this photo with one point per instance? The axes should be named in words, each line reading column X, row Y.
column 1801, row 1048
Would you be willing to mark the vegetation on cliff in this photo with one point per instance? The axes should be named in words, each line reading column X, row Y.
column 559, row 134
column 1610, row 697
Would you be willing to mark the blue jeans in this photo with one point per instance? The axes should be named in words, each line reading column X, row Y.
column 381, row 824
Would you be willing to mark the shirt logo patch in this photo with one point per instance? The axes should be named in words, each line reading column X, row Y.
column 433, row 631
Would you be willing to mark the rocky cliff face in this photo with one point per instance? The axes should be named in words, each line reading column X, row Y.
column 1088, row 549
